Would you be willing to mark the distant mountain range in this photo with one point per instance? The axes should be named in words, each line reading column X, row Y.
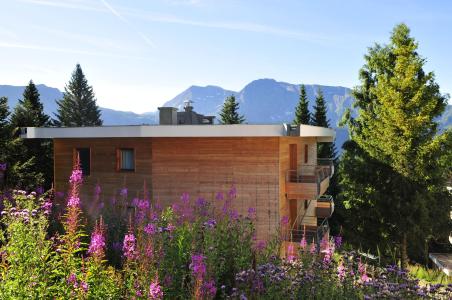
column 261, row 101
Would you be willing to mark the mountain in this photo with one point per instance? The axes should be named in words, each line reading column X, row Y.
column 261, row 101
column 50, row 94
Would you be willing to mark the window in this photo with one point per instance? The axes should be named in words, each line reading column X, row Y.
column 125, row 159
column 84, row 157
column 306, row 153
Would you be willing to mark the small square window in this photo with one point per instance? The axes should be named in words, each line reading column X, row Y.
column 84, row 156
column 126, row 159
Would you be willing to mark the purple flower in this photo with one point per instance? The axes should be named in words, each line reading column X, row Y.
column 313, row 249
column 123, row 192
column 84, row 286
column 97, row 190
column 39, row 190
column 72, row 279
column 185, row 198
column 155, row 290
column 3, row 167
column 290, row 253
column 210, row 223
column 76, row 176
column 232, row 192
column 303, row 243
column 219, row 196
column 150, row 229
column 234, row 215
column 97, row 245
column 252, row 213
column 341, row 271
column 198, row 266
column 337, row 241
column 261, row 245
column 128, row 246
column 73, row 201
column 285, row 220
column 209, row 289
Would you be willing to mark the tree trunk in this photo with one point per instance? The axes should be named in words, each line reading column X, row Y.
column 403, row 253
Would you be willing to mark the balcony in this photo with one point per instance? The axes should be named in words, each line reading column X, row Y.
column 309, row 181
column 325, row 206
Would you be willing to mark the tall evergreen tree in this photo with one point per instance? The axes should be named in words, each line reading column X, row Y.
column 302, row 114
column 4, row 127
column 393, row 170
column 33, row 156
column 229, row 112
column 29, row 111
column 78, row 106
column 324, row 150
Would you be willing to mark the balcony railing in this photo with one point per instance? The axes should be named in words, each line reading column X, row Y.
column 310, row 233
column 312, row 173
column 325, row 206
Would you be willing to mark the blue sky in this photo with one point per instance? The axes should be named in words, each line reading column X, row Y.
column 138, row 54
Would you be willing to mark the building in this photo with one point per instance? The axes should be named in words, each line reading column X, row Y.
column 273, row 167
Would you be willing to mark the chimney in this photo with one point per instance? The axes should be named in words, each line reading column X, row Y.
column 168, row 116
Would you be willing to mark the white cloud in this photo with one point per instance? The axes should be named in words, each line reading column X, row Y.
column 124, row 20
column 67, row 50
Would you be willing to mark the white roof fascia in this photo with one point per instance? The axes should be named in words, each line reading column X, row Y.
column 239, row 130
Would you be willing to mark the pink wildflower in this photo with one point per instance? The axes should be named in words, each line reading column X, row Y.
column 73, row 201
column 129, row 246
column 341, row 271
column 150, row 229
column 313, row 249
column 303, row 243
column 198, row 266
column 97, row 245
column 252, row 213
column 290, row 253
column 285, row 220
column 155, row 290
column 76, row 176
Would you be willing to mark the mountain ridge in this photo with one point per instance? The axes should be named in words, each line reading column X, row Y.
column 261, row 101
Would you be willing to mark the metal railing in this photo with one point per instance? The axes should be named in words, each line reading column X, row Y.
column 326, row 199
column 310, row 235
column 312, row 173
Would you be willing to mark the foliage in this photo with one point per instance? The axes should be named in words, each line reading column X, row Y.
column 229, row 112
column 30, row 156
column 395, row 139
column 78, row 106
column 24, row 248
column 302, row 114
column 193, row 249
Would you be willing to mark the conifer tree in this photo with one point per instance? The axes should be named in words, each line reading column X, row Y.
column 302, row 114
column 29, row 111
column 394, row 169
column 324, row 150
column 229, row 113
column 78, row 106
column 4, row 128
column 31, row 156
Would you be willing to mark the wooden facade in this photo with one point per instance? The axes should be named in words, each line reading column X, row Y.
column 200, row 166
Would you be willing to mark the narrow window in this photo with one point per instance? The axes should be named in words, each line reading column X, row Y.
column 125, row 159
column 306, row 154
column 84, row 157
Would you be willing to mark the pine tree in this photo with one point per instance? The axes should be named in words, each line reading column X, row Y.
column 319, row 118
column 324, row 150
column 229, row 113
column 4, row 128
column 302, row 114
column 30, row 156
column 29, row 111
column 396, row 164
column 78, row 106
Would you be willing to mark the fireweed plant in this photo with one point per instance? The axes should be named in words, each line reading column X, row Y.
column 194, row 249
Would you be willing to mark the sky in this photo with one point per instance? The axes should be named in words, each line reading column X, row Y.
column 138, row 54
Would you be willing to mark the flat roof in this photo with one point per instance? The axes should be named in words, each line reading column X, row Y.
column 237, row 130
